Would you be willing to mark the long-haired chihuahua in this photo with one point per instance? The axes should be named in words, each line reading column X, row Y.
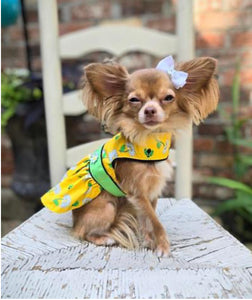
column 113, row 192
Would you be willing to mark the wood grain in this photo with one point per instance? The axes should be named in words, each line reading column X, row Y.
column 40, row 259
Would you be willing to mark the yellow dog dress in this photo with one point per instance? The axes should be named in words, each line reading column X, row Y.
column 96, row 172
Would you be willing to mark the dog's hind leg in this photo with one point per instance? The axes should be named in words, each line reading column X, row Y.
column 92, row 221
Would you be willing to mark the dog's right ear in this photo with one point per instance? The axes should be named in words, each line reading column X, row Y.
column 101, row 82
column 106, row 79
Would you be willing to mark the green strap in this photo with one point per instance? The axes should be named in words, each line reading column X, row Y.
column 101, row 176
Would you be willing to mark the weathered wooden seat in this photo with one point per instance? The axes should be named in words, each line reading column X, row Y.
column 41, row 259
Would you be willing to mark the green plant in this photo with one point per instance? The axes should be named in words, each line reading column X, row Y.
column 241, row 205
column 15, row 90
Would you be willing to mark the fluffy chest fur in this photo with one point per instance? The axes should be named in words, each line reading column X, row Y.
column 144, row 179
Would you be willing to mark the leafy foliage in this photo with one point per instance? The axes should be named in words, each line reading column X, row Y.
column 233, row 184
column 240, row 207
column 14, row 91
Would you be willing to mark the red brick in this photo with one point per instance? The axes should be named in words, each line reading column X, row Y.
column 210, row 40
column 227, row 59
column 90, row 11
column 200, row 175
column 246, row 19
column 6, row 156
column 154, row 7
column 211, row 192
column 225, row 94
column 232, row 4
column 246, row 77
column 163, row 24
column 32, row 16
column 15, row 32
column 246, row 112
column 246, row 58
column 65, row 1
column 36, row 63
column 7, row 169
column 35, row 50
column 81, row 131
column 206, row 5
column 246, row 150
column 217, row 20
column 34, row 34
column 201, row 144
column 211, row 129
column 247, row 177
column 138, row 7
column 237, row 4
column 13, row 52
column 227, row 173
column 246, row 4
column 5, row 142
column 227, row 77
column 241, row 39
column 17, row 63
column 215, row 161
column 224, row 147
column 65, row 28
column 6, row 181
column 7, row 159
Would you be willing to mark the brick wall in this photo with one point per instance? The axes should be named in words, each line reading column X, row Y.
column 223, row 30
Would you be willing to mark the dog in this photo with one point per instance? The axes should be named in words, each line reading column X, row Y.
column 143, row 110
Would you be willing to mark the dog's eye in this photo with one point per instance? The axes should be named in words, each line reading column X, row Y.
column 134, row 100
column 168, row 98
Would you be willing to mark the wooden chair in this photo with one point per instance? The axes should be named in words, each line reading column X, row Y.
column 41, row 258
column 106, row 38
column 117, row 40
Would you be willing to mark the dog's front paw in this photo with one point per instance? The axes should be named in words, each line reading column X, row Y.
column 163, row 248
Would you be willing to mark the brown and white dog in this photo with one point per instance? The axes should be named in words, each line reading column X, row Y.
column 138, row 105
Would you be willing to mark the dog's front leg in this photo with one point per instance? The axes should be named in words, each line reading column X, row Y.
column 151, row 226
column 154, row 203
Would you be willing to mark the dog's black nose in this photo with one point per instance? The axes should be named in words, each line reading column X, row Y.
column 150, row 111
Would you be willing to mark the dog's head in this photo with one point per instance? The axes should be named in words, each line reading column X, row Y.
column 146, row 101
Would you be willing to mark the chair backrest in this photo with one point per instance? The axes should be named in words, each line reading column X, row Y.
column 117, row 40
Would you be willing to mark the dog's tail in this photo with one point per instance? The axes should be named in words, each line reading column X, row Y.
column 125, row 229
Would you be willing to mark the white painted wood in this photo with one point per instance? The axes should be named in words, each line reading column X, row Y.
column 185, row 47
column 117, row 40
column 52, row 85
column 172, row 157
column 75, row 154
column 72, row 104
column 41, row 259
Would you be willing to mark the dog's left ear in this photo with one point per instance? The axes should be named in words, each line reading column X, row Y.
column 199, row 97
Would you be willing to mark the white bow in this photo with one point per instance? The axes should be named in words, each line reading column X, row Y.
column 178, row 78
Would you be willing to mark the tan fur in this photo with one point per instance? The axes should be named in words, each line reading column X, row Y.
column 108, row 90
column 200, row 95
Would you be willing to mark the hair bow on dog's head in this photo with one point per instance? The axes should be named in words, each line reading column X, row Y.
column 178, row 78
